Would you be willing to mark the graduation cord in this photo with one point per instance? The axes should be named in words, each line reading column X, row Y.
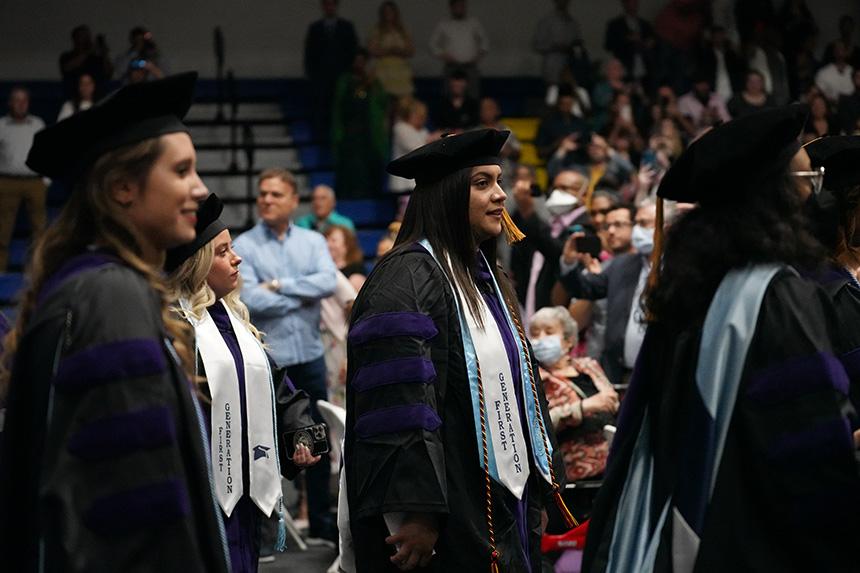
column 569, row 519
column 494, row 553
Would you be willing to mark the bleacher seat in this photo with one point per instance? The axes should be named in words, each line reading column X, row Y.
column 301, row 131
column 18, row 253
column 315, row 157
column 525, row 128
column 10, row 285
column 368, row 212
column 368, row 240
column 322, row 178
column 10, row 313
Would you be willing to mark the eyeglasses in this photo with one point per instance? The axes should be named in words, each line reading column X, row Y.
column 615, row 225
column 816, row 178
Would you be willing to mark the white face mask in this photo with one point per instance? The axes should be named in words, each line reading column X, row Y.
column 561, row 203
column 547, row 350
column 643, row 239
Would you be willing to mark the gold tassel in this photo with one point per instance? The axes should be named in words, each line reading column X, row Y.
column 512, row 232
column 569, row 519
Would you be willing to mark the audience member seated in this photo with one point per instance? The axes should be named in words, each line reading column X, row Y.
column 581, row 106
column 721, row 64
column 561, row 131
column 753, row 98
column 18, row 183
column 623, row 131
column 621, row 282
column 83, row 99
column 835, row 79
column 849, row 108
column 820, row 122
column 330, row 45
column 580, row 397
column 143, row 60
column 703, row 107
column 488, row 117
column 534, row 260
column 346, row 254
column 85, row 57
column 603, row 93
column 409, row 133
column 334, row 325
column 630, row 39
column 460, row 42
column 666, row 107
column 846, row 36
column 391, row 46
column 359, row 132
column 602, row 166
column 386, row 243
column 458, row 110
column 323, row 214
column 555, row 37
column 602, row 202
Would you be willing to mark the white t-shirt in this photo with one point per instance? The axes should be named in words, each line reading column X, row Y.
column 68, row 109
column 834, row 83
column 16, row 139
column 405, row 139
column 464, row 40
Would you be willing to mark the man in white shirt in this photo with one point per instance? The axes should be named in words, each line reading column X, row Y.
column 18, row 183
column 834, row 79
column 703, row 107
column 460, row 42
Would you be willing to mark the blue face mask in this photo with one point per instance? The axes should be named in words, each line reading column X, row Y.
column 547, row 350
column 643, row 239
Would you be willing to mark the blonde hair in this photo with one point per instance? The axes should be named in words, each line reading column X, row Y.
column 91, row 217
column 189, row 282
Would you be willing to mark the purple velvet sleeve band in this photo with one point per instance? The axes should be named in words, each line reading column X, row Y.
column 815, row 443
column 141, row 508
column 111, row 362
column 413, row 369
column 120, row 435
column 388, row 324
column 794, row 378
column 851, row 362
column 397, row 419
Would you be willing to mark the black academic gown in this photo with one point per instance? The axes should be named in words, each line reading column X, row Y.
column 845, row 294
column 103, row 464
column 787, row 491
column 420, row 470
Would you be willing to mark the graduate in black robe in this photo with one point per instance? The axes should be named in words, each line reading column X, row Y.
column 412, row 454
column 834, row 213
column 103, row 459
column 760, row 478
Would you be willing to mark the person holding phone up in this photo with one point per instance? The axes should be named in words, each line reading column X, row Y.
column 621, row 282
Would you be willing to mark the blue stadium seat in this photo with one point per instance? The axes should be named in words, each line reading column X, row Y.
column 322, row 178
column 301, row 131
column 18, row 252
column 10, row 285
column 10, row 313
column 368, row 212
column 368, row 240
column 315, row 157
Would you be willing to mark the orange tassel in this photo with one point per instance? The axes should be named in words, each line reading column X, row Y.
column 512, row 232
column 569, row 519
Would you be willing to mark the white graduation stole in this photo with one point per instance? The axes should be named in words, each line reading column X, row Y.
column 485, row 348
column 226, row 431
column 507, row 446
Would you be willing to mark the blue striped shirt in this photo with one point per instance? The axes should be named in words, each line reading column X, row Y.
column 290, row 318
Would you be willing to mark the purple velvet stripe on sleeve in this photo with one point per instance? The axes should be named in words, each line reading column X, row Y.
column 74, row 266
column 120, row 435
column 413, row 369
column 797, row 377
column 388, row 324
column 397, row 419
column 851, row 362
column 144, row 507
column 824, row 440
column 111, row 362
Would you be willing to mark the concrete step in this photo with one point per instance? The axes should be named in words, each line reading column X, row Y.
column 219, row 159
column 221, row 134
column 244, row 111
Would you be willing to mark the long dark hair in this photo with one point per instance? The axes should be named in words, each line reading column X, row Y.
column 439, row 212
column 763, row 224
